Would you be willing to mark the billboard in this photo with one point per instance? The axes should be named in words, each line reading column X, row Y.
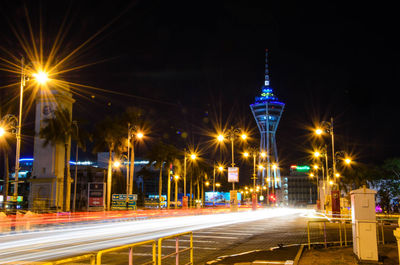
column 233, row 174
column 219, row 197
column 124, row 202
column 96, row 194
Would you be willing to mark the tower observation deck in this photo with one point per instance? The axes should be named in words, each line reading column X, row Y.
column 267, row 111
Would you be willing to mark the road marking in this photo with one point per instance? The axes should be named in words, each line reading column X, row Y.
column 220, row 237
column 182, row 247
column 225, row 233
column 187, row 240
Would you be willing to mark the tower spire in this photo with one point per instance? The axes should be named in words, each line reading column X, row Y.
column 267, row 93
column 266, row 80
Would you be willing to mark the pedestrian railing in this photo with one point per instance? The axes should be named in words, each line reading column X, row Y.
column 87, row 257
column 339, row 227
column 96, row 258
column 130, row 247
column 336, row 231
column 178, row 251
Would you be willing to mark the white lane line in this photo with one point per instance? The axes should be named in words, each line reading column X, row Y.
column 187, row 240
column 220, row 237
column 225, row 233
column 182, row 247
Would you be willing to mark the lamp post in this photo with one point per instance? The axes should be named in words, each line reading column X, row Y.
column 232, row 134
column 76, row 166
column 328, row 127
column 221, row 170
column 7, row 123
column 41, row 78
column 192, row 157
column 176, row 178
column 133, row 133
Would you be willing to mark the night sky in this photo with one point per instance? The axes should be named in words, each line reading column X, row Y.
column 197, row 60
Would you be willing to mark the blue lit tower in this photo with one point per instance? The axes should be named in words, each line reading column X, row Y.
column 267, row 112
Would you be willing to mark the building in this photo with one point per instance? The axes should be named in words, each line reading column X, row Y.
column 47, row 181
column 267, row 112
column 299, row 188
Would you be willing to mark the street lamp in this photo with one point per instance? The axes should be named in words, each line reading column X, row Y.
column 41, row 77
column 193, row 157
column 76, row 165
column 221, row 170
column 232, row 134
column 7, row 123
column 176, row 178
column 133, row 132
column 328, row 127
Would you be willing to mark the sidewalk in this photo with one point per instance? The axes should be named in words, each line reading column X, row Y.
column 343, row 256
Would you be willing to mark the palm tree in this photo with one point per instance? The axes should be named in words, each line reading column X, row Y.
column 60, row 129
column 133, row 118
column 108, row 136
column 161, row 154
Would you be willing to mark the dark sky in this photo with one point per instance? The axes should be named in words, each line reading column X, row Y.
column 196, row 57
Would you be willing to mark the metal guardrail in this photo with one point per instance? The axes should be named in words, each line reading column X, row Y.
column 95, row 258
column 90, row 257
column 130, row 247
column 177, row 250
column 341, row 223
column 341, row 227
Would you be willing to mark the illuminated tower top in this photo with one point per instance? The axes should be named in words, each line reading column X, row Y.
column 267, row 93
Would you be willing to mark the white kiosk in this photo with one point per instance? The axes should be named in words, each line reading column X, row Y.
column 363, row 217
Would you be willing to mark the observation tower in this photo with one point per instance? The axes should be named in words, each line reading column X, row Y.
column 267, row 111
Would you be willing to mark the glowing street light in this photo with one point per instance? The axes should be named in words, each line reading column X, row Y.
column 221, row 168
column 312, row 175
column 139, row 135
column 244, row 136
column 220, row 138
column 193, row 156
column 263, row 154
column 317, row 154
column 116, row 164
column 246, row 154
column 260, row 167
column 318, row 131
column 337, row 175
column 315, row 166
column 2, row 131
column 41, row 77
column 347, row 161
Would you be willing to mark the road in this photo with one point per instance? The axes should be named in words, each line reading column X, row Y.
column 214, row 235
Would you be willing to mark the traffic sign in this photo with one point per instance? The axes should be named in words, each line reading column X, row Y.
column 233, row 174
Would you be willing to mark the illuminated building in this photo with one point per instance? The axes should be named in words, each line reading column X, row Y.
column 267, row 112
column 299, row 189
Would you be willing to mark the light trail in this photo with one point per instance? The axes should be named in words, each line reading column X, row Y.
column 28, row 247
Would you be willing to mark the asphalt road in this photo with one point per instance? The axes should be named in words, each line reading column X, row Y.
column 214, row 235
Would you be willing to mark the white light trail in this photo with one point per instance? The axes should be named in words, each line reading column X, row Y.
column 79, row 239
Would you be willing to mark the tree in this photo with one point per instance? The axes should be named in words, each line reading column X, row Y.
column 59, row 129
column 160, row 154
column 133, row 118
column 108, row 136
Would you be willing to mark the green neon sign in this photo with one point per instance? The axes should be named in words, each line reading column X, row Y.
column 304, row 168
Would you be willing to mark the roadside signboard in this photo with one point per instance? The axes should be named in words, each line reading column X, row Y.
column 233, row 174
column 123, row 202
column 96, row 194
